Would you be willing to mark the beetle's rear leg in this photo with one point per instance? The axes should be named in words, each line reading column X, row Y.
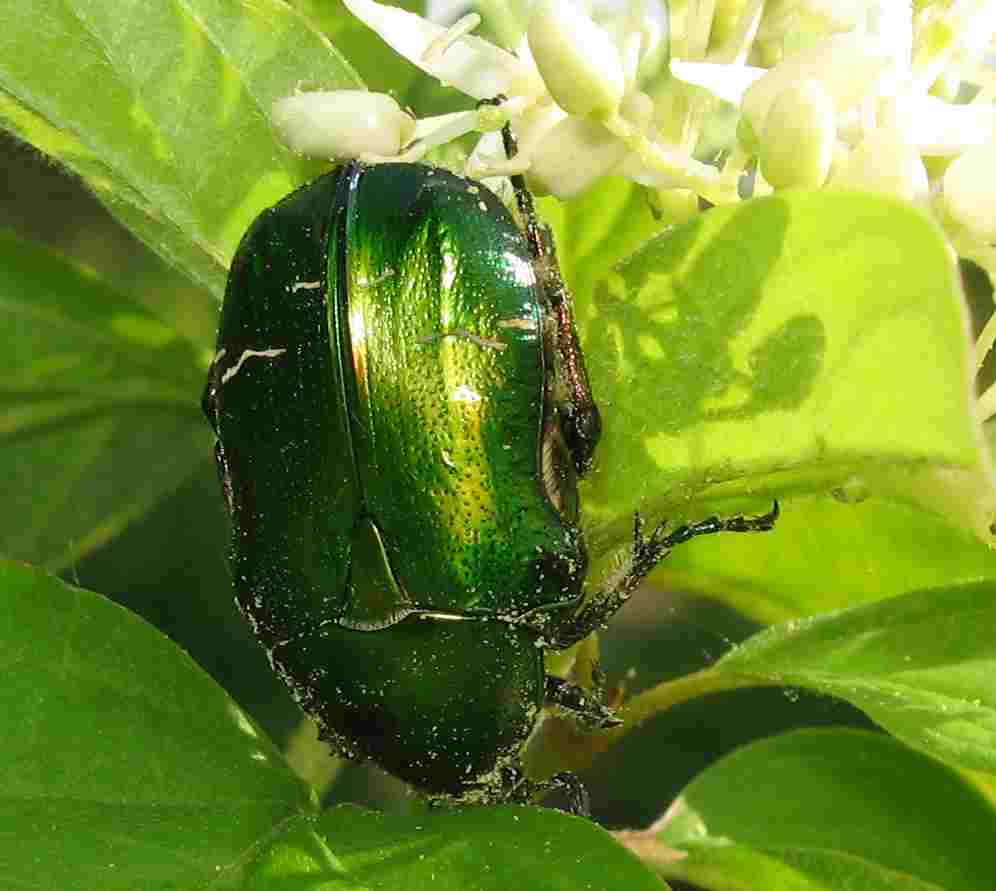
column 526, row 791
column 585, row 706
column 647, row 552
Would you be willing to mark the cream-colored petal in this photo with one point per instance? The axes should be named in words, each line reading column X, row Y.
column 471, row 65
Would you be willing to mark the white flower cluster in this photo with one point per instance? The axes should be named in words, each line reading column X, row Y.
column 865, row 94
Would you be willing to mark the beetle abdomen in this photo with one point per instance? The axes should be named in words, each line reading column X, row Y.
column 440, row 704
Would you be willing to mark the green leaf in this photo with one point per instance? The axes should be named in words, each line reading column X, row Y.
column 125, row 765
column 162, row 109
column 779, row 346
column 480, row 848
column 130, row 768
column 99, row 408
column 923, row 665
column 823, row 811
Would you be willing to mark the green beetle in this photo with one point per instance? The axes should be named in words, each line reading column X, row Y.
column 403, row 413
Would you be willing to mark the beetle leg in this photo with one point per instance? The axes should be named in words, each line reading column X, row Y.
column 580, row 419
column 528, row 791
column 585, row 706
column 536, row 233
column 578, row 802
column 647, row 552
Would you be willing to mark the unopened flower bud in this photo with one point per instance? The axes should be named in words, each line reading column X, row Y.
column 884, row 162
column 798, row 137
column 577, row 60
column 970, row 190
column 847, row 68
column 572, row 156
column 342, row 124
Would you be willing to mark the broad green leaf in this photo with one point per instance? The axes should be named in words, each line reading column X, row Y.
column 124, row 765
column 480, row 848
column 162, row 109
column 99, row 412
column 823, row 811
column 923, row 665
column 778, row 346
column 128, row 767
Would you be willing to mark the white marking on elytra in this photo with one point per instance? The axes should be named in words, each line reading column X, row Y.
column 249, row 354
column 486, row 342
column 519, row 324
column 305, row 286
column 463, row 393
column 363, row 282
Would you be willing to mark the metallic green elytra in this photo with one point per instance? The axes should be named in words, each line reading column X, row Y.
column 403, row 413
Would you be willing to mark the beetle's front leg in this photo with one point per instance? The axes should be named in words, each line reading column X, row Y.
column 647, row 552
